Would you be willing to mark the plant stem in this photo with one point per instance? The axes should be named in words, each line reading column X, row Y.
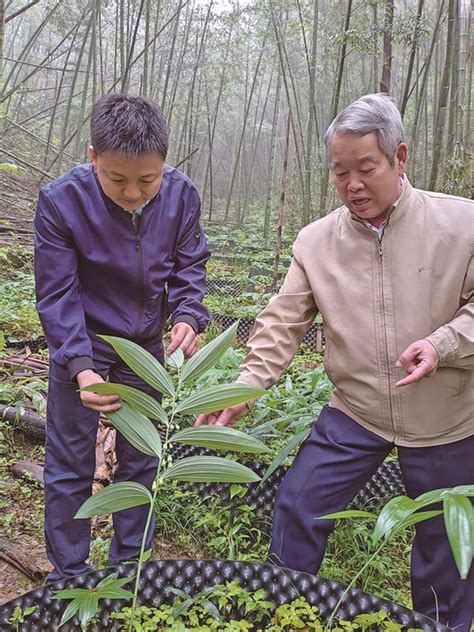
column 352, row 582
column 156, row 486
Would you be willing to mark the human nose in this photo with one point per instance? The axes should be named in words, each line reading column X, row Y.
column 132, row 191
column 354, row 183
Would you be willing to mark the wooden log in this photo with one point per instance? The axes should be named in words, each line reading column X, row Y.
column 20, row 559
column 29, row 467
column 32, row 422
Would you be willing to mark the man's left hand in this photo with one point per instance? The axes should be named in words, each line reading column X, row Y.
column 184, row 337
column 420, row 359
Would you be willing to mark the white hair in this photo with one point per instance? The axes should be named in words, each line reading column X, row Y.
column 375, row 113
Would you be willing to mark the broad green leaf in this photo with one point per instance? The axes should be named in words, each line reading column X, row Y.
column 114, row 593
column 88, row 607
column 137, row 429
column 458, row 518
column 209, row 469
column 147, row 555
column 138, row 400
column 348, row 513
column 113, row 498
column 71, row 609
column 392, row 516
column 472, row 530
column 285, row 451
column 143, row 364
column 219, row 438
column 217, row 398
column 420, row 516
column 182, row 607
column 71, row 593
column 211, row 609
column 437, row 495
column 433, row 496
column 464, row 490
column 208, row 356
column 175, row 359
column 113, row 581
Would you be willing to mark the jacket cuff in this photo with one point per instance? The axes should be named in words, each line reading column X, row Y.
column 81, row 363
column 444, row 344
column 187, row 318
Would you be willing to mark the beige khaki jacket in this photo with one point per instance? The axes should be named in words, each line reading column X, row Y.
column 377, row 297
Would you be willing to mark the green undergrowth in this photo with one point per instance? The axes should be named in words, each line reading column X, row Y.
column 231, row 608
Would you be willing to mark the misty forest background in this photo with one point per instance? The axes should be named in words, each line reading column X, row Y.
column 243, row 84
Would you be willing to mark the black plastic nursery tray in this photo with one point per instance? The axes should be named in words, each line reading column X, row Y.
column 192, row 576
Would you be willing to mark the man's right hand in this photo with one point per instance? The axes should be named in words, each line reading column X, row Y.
column 226, row 417
column 100, row 403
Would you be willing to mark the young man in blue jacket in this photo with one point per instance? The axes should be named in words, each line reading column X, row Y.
column 118, row 248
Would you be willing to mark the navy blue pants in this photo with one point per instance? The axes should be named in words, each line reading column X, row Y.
column 333, row 464
column 70, row 466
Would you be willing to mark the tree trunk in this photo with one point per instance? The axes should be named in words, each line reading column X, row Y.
column 386, row 79
column 271, row 164
column 307, row 210
column 422, row 97
column 414, row 45
column 2, row 30
column 335, row 103
column 281, row 205
column 442, row 99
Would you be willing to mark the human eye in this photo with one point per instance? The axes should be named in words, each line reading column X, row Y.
column 117, row 180
column 340, row 174
column 366, row 171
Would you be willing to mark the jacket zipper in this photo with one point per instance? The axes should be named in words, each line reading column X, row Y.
column 141, row 276
column 380, row 250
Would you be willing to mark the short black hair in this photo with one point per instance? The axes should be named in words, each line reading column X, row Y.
column 129, row 126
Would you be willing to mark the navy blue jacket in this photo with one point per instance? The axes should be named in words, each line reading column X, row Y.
column 98, row 273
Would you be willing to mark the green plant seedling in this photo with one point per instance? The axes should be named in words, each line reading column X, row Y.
column 86, row 602
column 20, row 614
column 403, row 512
column 133, row 421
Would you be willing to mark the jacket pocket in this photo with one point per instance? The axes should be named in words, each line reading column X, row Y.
column 463, row 379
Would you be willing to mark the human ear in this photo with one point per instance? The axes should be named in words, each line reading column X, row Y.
column 402, row 158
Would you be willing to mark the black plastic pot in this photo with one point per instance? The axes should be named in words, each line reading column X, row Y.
column 281, row 586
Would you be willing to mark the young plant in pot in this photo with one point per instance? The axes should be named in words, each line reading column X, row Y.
column 133, row 420
column 402, row 512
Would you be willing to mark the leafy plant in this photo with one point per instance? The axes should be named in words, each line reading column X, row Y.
column 133, row 421
column 18, row 315
column 86, row 602
column 20, row 614
column 403, row 512
column 232, row 608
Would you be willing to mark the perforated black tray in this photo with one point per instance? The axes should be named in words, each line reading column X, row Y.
column 192, row 576
column 386, row 483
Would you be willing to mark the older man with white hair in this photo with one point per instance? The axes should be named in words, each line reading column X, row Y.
column 392, row 273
